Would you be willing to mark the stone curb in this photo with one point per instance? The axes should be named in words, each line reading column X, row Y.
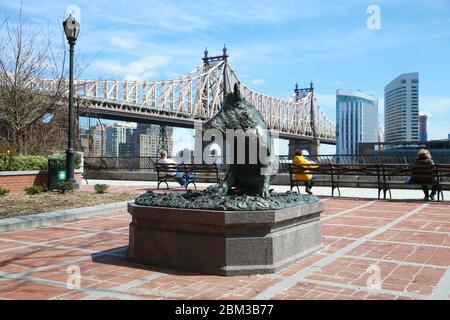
column 51, row 218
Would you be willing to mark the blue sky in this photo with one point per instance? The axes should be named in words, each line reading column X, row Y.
column 272, row 44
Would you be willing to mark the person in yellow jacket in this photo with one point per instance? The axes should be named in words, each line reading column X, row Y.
column 306, row 176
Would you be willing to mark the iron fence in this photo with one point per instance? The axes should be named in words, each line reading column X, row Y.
column 362, row 159
column 147, row 164
column 131, row 163
column 119, row 163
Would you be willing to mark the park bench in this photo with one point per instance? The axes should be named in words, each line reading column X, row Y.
column 383, row 177
column 196, row 172
column 336, row 176
column 392, row 176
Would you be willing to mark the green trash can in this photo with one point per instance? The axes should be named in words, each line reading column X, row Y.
column 56, row 172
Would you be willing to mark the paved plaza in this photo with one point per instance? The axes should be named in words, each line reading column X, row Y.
column 139, row 187
column 374, row 249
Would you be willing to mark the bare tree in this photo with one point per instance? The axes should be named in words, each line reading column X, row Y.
column 28, row 113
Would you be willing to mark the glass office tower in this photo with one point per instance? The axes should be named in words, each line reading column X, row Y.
column 356, row 120
column 401, row 108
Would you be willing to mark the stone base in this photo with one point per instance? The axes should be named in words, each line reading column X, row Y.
column 224, row 242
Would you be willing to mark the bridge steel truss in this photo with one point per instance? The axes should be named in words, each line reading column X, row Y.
column 195, row 97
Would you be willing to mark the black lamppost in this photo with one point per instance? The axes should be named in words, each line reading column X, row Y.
column 72, row 29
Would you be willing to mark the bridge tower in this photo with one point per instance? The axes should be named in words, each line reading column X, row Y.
column 208, row 62
column 312, row 146
column 163, row 145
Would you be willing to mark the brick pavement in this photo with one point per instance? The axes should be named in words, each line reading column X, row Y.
column 406, row 245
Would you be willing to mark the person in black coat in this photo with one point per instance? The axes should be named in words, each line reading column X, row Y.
column 423, row 174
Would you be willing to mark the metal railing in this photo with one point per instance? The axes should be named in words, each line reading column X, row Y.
column 358, row 159
column 147, row 164
column 119, row 163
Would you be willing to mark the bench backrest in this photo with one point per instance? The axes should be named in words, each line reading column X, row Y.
column 336, row 169
column 422, row 174
column 385, row 170
column 444, row 171
column 168, row 167
column 201, row 172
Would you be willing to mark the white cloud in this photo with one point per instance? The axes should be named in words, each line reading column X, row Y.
column 109, row 66
column 257, row 82
column 439, row 106
column 145, row 64
column 270, row 12
column 141, row 69
column 122, row 42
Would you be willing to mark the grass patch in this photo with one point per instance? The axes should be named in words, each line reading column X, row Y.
column 3, row 191
column 101, row 188
column 14, row 205
column 64, row 187
column 34, row 190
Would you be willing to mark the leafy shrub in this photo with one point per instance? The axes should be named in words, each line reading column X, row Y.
column 64, row 187
column 9, row 162
column 3, row 191
column 5, row 159
column 35, row 189
column 101, row 188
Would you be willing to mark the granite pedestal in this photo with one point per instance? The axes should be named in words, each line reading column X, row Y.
column 224, row 242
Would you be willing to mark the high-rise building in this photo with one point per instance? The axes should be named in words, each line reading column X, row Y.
column 356, row 120
column 84, row 141
column 423, row 135
column 84, row 145
column 97, row 141
column 126, row 149
column 146, row 140
column 115, row 136
column 401, row 108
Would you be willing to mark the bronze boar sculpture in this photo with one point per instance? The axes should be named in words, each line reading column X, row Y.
column 246, row 186
column 237, row 116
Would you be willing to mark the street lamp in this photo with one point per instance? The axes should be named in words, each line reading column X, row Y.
column 71, row 29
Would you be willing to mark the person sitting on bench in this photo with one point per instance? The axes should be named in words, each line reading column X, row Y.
column 180, row 177
column 172, row 172
column 306, row 176
column 423, row 174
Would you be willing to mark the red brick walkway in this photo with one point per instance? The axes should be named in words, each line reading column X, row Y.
column 373, row 250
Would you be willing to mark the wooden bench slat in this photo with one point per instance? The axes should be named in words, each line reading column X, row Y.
column 385, row 174
column 197, row 172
